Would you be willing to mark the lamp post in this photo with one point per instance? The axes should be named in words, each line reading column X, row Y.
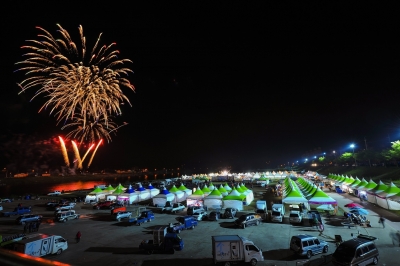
column 355, row 161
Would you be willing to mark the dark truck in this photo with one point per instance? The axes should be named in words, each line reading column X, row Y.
column 145, row 216
column 162, row 242
column 184, row 222
column 17, row 211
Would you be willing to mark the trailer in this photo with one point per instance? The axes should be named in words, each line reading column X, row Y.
column 227, row 249
column 41, row 245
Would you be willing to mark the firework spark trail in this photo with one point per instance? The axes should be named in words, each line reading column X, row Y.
column 64, row 151
column 76, row 84
column 94, row 152
column 84, row 156
column 77, row 156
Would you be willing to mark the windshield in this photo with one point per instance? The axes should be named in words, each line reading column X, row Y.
column 276, row 213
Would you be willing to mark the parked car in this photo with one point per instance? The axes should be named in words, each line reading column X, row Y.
column 104, row 205
column 230, row 213
column 200, row 216
column 63, row 208
column 54, row 193
column 1, row 208
column 67, row 215
column 28, row 218
column 214, row 216
column 357, row 251
column 121, row 215
column 248, row 220
column 194, row 209
column 307, row 245
column 295, row 217
column 5, row 200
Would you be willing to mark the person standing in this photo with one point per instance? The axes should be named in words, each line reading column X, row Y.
column 382, row 221
column 78, row 236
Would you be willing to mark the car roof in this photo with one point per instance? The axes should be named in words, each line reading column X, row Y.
column 355, row 242
column 304, row 236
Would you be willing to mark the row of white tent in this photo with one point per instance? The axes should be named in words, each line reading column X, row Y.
column 246, row 176
column 212, row 197
column 386, row 196
column 209, row 196
column 120, row 193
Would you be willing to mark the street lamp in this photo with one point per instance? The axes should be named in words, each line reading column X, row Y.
column 355, row 161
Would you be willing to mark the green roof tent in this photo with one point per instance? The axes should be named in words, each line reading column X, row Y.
column 392, row 190
column 355, row 183
column 109, row 188
column 362, row 184
column 96, row 190
column 294, row 197
column 198, row 192
column 371, row 185
column 321, row 197
column 381, row 187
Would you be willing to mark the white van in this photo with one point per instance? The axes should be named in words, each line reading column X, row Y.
column 278, row 213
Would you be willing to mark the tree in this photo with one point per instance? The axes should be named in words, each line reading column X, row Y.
column 346, row 157
column 394, row 153
column 370, row 155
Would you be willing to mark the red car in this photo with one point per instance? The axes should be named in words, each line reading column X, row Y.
column 104, row 205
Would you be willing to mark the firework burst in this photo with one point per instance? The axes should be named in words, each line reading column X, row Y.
column 83, row 91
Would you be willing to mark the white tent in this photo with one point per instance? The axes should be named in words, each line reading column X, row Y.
column 234, row 200
column 320, row 197
column 143, row 194
column 249, row 193
column 206, row 190
column 214, row 200
column 129, row 196
column 223, row 191
column 153, row 191
column 163, row 197
column 185, row 190
column 196, row 199
column 245, row 192
column 96, row 195
column 179, row 195
column 294, row 197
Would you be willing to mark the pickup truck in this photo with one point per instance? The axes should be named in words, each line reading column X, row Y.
column 17, row 211
column 176, row 207
column 184, row 222
column 162, row 242
column 146, row 216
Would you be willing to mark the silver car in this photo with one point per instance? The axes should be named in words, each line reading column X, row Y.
column 200, row 216
column 121, row 215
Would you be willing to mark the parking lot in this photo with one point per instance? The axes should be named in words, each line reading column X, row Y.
column 106, row 241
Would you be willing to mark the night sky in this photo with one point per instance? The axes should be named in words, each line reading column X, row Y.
column 218, row 85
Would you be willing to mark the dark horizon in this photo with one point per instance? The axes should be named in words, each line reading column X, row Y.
column 248, row 87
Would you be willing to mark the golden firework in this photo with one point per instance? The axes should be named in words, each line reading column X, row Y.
column 82, row 91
